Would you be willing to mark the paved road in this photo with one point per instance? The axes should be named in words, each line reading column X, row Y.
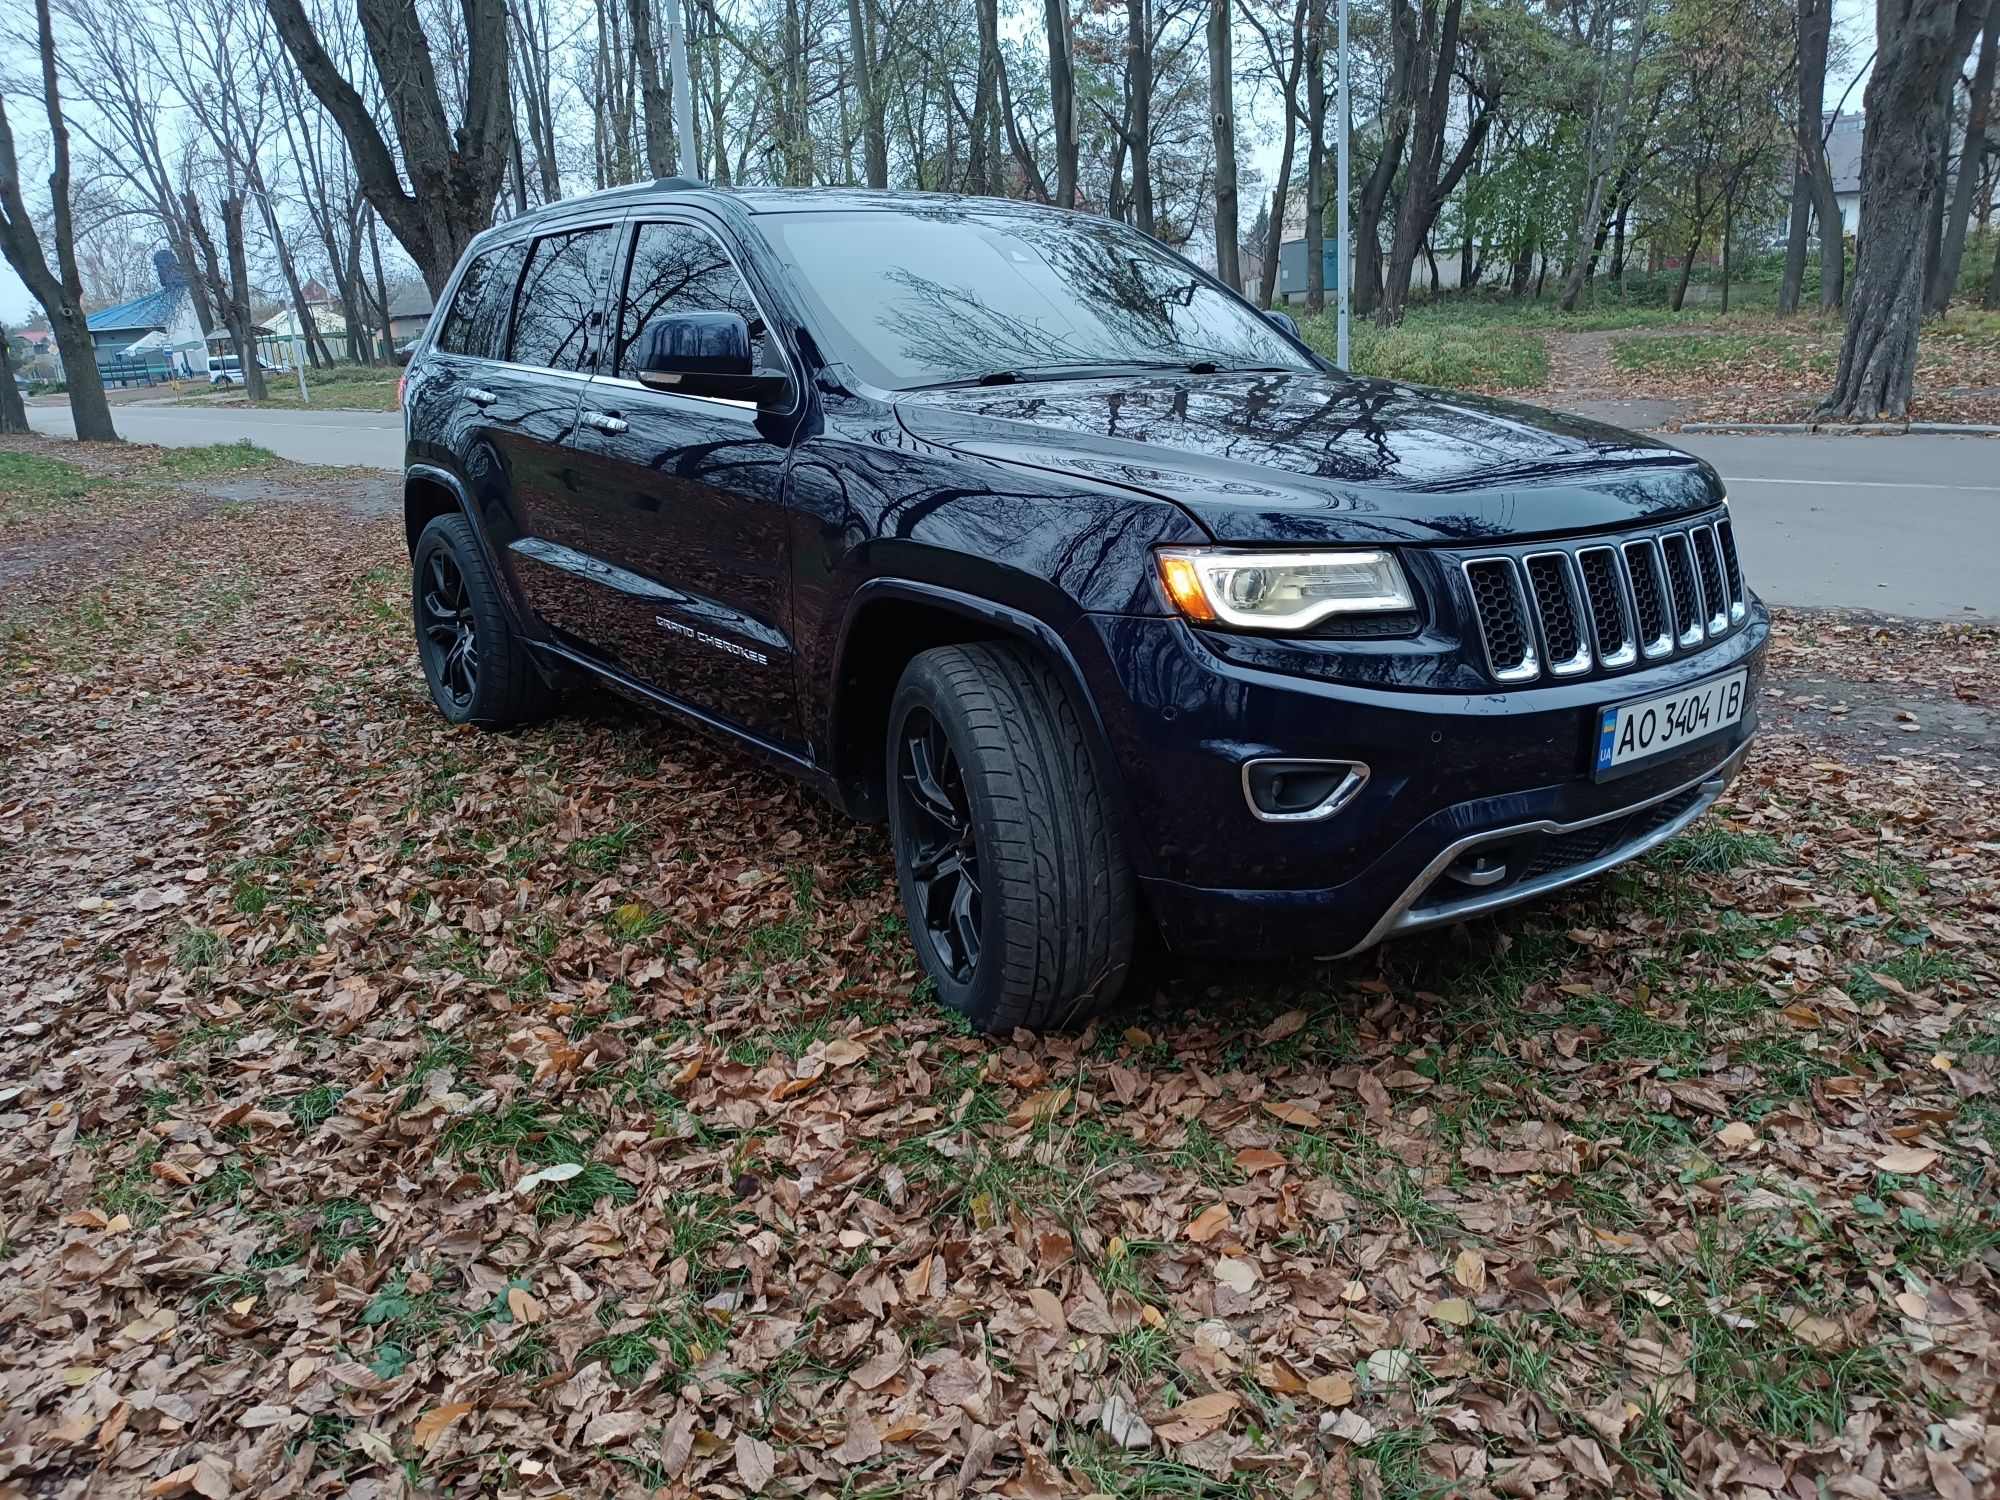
column 1896, row 525
column 1904, row 525
column 373, row 439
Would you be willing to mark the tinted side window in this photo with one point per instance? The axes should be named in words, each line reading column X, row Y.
column 557, row 322
column 677, row 268
column 477, row 321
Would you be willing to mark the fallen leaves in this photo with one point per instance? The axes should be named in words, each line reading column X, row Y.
column 293, row 1161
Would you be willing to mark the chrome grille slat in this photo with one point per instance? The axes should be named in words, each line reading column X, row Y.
column 1607, row 603
column 1501, row 606
column 1559, row 605
column 1708, row 568
column 1604, row 586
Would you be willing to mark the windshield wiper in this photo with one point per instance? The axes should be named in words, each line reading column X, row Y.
column 1030, row 373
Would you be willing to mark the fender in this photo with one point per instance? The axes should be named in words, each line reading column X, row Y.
column 1018, row 623
column 524, row 623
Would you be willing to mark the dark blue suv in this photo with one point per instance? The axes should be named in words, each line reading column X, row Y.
column 1128, row 611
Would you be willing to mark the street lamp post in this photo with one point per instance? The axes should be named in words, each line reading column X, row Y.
column 677, row 60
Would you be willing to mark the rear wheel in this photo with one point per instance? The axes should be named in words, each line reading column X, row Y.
column 477, row 668
column 1015, row 883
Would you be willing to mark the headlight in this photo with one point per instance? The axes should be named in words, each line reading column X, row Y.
column 1281, row 590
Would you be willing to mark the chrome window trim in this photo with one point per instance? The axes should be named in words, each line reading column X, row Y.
column 635, row 221
column 1582, row 661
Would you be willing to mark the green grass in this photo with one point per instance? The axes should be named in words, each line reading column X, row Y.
column 1699, row 355
column 1430, row 348
column 32, row 486
column 240, row 457
column 340, row 387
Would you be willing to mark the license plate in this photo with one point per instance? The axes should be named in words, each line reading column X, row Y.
column 1633, row 732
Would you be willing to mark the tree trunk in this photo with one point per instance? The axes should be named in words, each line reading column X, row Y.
column 1728, row 230
column 1970, row 161
column 13, row 412
column 1139, row 73
column 1832, row 235
column 1062, row 98
column 1602, row 152
column 1815, row 22
column 1282, row 190
column 381, row 289
column 1315, row 87
column 455, row 174
column 229, row 283
column 1366, row 222
column 1437, row 52
column 986, row 168
column 867, row 102
column 1222, row 120
column 1918, row 45
column 60, row 291
column 1687, row 270
column 1992, row 299
column 654, row 102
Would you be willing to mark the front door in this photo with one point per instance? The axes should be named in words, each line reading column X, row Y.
column 687, row 496
column 553, row 345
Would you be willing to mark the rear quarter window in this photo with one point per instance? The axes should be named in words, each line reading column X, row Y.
column 476, row 323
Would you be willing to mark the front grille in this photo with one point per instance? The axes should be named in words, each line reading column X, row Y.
column 1606, row 603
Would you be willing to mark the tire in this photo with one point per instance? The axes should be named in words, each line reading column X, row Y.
column 992, row 789
column 478, row 670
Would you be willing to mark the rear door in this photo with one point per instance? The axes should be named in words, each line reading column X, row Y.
column 688, row 498
column 530, row 402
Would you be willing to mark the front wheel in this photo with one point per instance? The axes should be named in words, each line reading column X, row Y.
column 1015, row 883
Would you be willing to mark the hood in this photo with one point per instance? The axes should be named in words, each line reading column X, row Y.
column 1308, row 458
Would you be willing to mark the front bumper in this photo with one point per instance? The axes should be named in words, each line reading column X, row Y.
column 1452, row 776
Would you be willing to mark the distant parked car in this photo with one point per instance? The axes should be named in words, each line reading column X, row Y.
column 227, row 369
column 402, row 352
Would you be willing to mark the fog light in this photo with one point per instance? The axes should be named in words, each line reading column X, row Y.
column 1301, row 791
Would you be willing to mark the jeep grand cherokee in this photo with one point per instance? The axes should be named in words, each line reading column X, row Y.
column 1125, row 609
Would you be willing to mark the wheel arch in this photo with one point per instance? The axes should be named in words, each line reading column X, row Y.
column 888, row 623
column 429, row 492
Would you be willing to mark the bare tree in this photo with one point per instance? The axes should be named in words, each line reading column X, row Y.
column 229, row 283
column 1604, row 142
column 1222, row 120
column 454, row 175
column 1978, row 121
column 60, row 291
column 1812, row 183
column 13, row 411
column 1062, row 98
column 1919, row 45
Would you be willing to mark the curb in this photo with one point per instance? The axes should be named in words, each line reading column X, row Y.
column 1837, row 429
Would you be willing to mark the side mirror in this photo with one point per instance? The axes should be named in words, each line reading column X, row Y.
column 1283, row 320
column 704, row 354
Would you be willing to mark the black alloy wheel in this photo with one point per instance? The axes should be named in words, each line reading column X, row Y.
column 448, row 630
column 938, row 843
column 1019, row 899
column 477, row 667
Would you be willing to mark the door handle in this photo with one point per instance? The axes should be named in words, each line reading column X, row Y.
column 479, row 396
column 604, row 421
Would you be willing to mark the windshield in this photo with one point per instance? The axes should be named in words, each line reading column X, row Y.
column 939, row 295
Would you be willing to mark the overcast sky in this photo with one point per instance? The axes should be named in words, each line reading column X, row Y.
column 1853, row 18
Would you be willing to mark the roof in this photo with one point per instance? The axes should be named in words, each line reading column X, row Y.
column 766, row 200
column 154, row 310
column 412, row 302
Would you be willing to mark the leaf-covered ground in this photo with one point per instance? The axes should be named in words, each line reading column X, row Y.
column 394, row 1109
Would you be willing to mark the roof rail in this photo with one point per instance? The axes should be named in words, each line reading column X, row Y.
column 679, row 184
